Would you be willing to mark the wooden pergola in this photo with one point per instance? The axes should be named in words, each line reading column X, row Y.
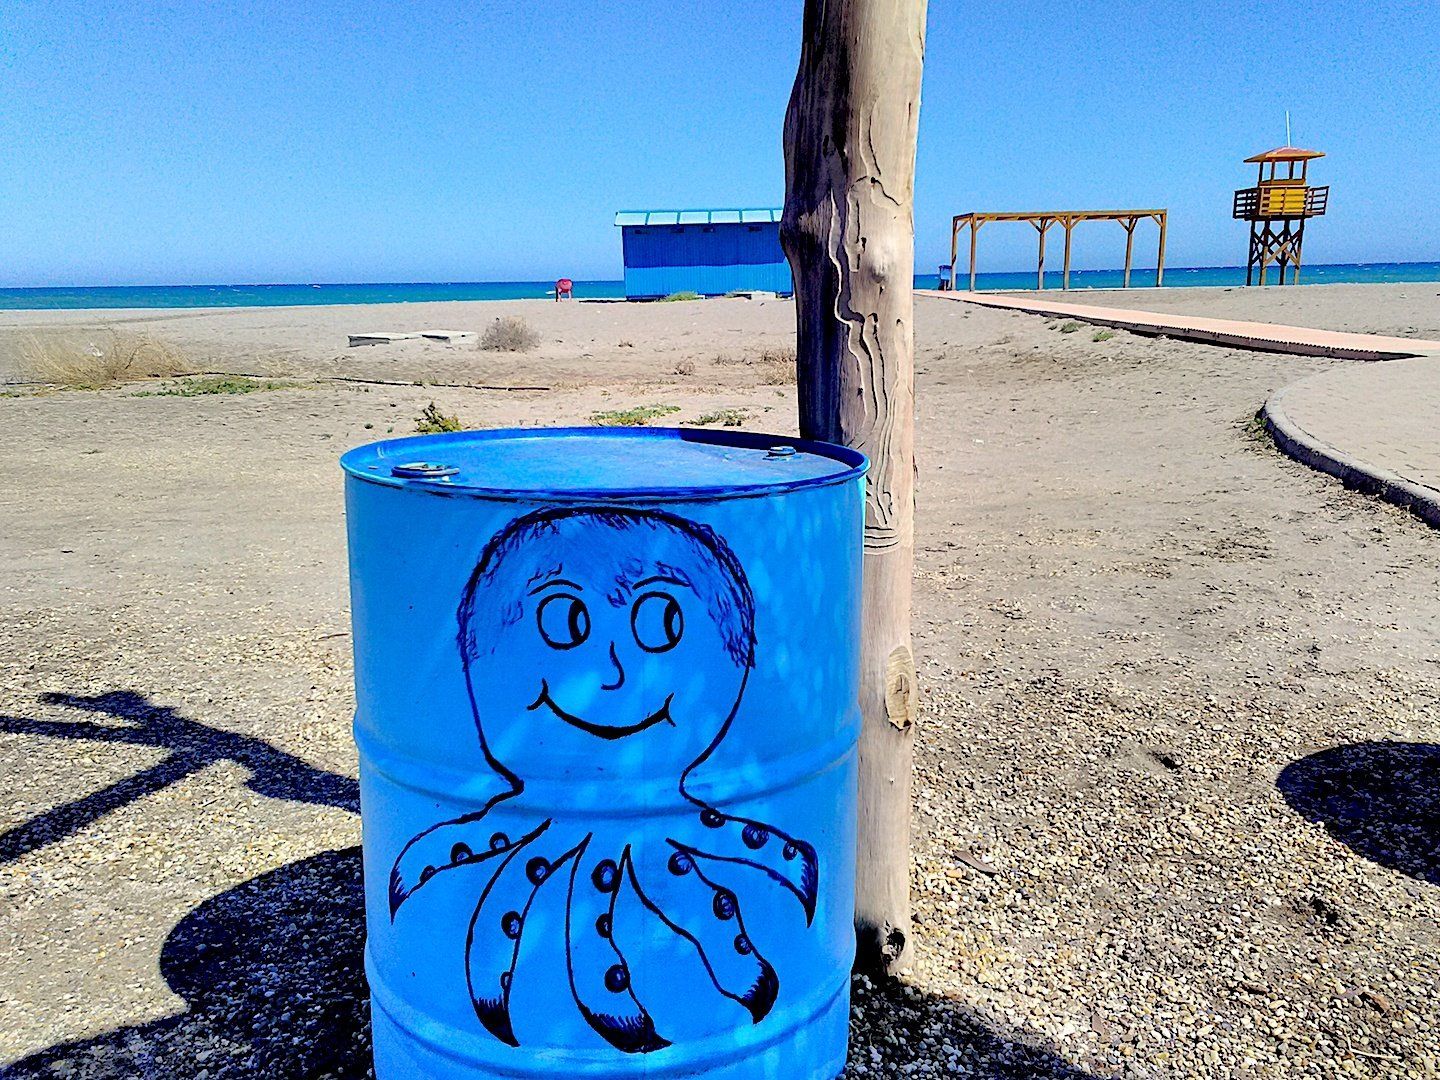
column 1067, row 220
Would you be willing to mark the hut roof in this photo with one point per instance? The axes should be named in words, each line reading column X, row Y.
column 1285, row 153
column 697, row 217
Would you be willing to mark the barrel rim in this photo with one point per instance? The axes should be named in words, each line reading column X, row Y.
column 360, row 462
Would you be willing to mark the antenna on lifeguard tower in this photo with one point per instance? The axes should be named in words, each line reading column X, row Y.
column 1287, row 128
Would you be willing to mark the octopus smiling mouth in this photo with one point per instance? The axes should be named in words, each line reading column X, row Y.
column 603, row 731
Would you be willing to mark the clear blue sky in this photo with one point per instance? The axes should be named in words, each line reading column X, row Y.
column 477, row 140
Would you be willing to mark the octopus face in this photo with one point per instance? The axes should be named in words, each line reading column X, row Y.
column 605, row 633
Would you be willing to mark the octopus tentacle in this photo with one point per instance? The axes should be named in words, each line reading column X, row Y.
column 713, row 924
column 464, row 841
column 599, row 975
column 492, row 943
column 785, row 859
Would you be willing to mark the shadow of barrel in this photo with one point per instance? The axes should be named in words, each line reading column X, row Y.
column 1380, row 799
column 273, row 974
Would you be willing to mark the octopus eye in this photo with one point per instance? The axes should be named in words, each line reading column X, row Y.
column 657, row 622
column 564, row 620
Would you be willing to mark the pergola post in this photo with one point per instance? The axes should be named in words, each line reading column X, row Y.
column 974, row 233
column 849, row 233
column 1160, row 259
column 954, row 249
column 1129, row 227
column 1069, row 224
column 1042, row 227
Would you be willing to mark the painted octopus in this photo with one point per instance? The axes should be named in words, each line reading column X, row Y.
column 577, row 648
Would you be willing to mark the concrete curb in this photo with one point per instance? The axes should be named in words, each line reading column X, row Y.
column 1422, row 501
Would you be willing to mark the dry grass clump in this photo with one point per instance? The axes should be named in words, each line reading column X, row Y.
column 98, row 360
column 685, row 366
column 509, row 333
column 777, row 366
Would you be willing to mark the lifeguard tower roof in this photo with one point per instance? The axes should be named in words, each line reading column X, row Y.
column 1284, row 153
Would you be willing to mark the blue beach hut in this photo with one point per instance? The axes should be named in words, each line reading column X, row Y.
column 710, row 252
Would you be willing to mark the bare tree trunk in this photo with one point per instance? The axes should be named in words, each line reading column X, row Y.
column 849, row 232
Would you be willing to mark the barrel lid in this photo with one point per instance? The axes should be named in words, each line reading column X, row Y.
column 568, row 464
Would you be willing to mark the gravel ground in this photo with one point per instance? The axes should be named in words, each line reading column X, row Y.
column 1176, row 809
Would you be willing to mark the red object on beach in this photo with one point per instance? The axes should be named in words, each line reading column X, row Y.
column 564, row 289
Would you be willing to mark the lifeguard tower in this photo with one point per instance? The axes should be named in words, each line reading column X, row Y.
column 1277, row 208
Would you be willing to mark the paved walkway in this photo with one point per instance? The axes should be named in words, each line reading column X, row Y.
column 1272, row 337
column 1376, row 427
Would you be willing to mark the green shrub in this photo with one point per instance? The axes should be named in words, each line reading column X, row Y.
column 724, row 417
column 684, row 294
column 639, row 416
column 432, row 421
column 203, row 385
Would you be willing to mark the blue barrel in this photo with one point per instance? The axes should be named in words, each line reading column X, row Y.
column 606, row 686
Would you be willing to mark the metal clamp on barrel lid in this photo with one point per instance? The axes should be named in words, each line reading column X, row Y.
column 423, row 470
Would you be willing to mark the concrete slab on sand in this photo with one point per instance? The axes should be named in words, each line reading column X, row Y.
column 1376, row 427
column 380, row 338
column 387, row 337
column 1270, row 337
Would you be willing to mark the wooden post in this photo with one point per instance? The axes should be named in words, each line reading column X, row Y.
column 849, row 233
column 974, row 232
column 1043, row 226
column 1129, row 227
column 954, row 249
column 1299, row 244
column 1160, row 259
column 1069, row 224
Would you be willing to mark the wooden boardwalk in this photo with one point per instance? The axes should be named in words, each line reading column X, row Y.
column 1270, row 337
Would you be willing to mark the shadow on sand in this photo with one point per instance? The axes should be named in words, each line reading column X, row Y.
column 193, row 746
column 272, row 970
column 1381, row 799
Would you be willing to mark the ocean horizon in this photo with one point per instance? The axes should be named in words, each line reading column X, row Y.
column 307, row 294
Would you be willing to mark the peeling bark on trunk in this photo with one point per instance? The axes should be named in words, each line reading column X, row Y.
column 849, row 234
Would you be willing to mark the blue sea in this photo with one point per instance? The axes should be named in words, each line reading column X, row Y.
column 211, row 296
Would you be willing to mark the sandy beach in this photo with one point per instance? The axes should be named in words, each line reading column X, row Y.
column 1155, row 656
